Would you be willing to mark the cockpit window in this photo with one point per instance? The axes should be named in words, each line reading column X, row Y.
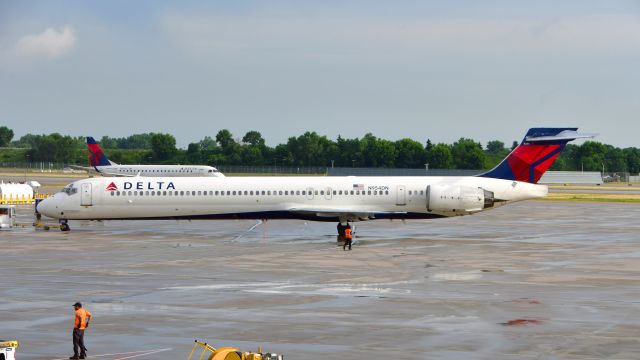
column 69, row 189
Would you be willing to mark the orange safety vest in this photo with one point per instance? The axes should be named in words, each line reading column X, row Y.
column 347, row 233
column 80, row 320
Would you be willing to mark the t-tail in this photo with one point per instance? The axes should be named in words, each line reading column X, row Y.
column 535, row 154
column 96, row 155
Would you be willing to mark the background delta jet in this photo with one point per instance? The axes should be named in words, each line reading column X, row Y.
column 321, row 198
column 104, row 166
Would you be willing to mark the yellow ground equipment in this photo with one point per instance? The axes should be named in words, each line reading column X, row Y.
column 227, row 353
column 8, row 349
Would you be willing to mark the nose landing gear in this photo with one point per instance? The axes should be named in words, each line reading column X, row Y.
column 64, row 225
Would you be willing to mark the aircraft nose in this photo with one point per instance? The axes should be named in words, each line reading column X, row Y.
column 46, row 207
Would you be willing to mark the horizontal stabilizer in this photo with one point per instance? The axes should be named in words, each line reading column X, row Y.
column 565, row 135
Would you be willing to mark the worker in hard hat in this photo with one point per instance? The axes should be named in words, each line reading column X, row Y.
column 348, row 237
column 80, row 323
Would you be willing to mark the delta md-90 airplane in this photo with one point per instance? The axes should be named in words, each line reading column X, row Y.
column 102, row 165
column 337, row 199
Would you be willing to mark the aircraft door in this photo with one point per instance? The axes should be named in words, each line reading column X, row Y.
column 310, row 193
column 400, row 195
column 328, row 193
column 85, row 195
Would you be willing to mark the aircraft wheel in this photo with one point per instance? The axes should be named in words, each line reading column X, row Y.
column 64, row 227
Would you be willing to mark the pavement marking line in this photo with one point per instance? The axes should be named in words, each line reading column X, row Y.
column 137, row 353
column 147, row 353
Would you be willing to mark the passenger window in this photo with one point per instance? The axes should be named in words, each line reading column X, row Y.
column 280, row 192
column 421, row 192
column 118, row 193
column 234, row 192
column 304, row 192
column 251, row 192
column 216, row 192
column 297, row 192
column 409, row 192
column 340, row 192
column 369, row 192
column 146, row 193
column 351, row 192
column 321, row 192
column 375, row 192
column 182, row 193
column 187, row 193
column 286, row 192
column 386, row 192
column 334, row 192
column 113, row 193
column 316, row 192
column 269, row 192
column 263, row 192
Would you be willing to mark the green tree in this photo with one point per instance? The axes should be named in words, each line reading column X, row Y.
column 163, row 146
column 591, row 155
column 632, row 157
column 348, row 152
column 194, row 153
column 377, row 152
column 253, row 138
column 225, row 139
column 495, row 147
column 409, row 153
column 468, row 154
column 311, row 149
column 440, row 157
column 6, row 135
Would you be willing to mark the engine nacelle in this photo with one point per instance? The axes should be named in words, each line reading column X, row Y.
column 458, row 199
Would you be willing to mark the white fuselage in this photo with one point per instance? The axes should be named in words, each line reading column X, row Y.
column 159, row 170
column 319, row 198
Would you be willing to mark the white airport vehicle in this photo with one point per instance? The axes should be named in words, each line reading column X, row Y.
column 8, row 349
column 337, row 199
column 101, row 164
column 7, row 217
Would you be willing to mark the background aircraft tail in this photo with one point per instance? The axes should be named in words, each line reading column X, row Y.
column 535, row 154
column 96, row 155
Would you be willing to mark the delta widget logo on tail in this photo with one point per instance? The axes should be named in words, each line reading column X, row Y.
column 112, row 187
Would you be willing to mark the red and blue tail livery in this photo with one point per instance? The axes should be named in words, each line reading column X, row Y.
column 96, row 156
column 537, row 152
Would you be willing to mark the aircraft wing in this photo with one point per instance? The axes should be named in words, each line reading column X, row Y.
column 349, row 213
column 85, row 168
column 106, row 173
column 102, row 172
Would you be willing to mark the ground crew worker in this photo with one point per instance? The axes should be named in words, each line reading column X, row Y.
column 347, row 238
column 80, row 323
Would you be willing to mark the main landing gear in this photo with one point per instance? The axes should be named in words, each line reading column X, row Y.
column 64, row 225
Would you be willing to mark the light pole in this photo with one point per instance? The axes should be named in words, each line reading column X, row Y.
column 332, row 163
column 426, row 168
column 25, row 168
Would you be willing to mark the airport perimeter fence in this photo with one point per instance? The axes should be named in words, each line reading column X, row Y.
column 35, row 166
column 356, row 171
column 275, row 170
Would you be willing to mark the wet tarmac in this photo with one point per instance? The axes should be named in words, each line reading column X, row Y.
column 534, row 280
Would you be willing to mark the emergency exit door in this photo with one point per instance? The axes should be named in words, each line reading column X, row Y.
column 85, row 195
column 400, row 195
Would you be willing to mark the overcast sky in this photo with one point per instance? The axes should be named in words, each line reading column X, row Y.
column 420, row 69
